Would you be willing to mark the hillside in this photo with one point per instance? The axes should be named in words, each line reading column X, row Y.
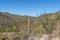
column 43, row 24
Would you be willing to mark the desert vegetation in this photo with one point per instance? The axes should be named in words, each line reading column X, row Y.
column 15, row 27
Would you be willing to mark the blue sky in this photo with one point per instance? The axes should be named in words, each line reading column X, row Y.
column 29, row 7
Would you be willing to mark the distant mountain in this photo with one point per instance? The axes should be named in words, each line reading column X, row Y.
column 11, row 20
